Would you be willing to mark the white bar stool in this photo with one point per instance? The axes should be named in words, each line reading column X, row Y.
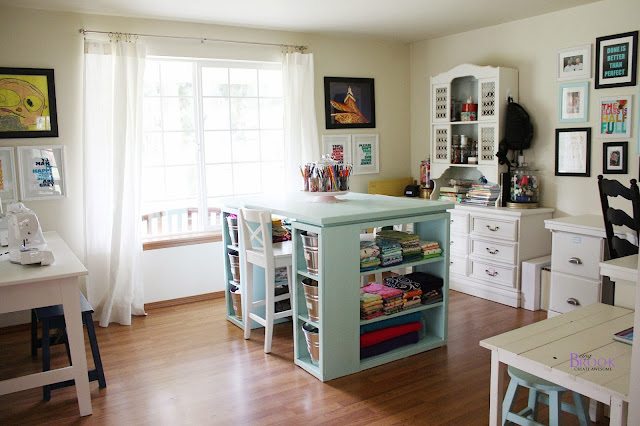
column 258, row 249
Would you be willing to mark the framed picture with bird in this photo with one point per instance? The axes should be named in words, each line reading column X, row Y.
column 27, row 103
column 349, row 103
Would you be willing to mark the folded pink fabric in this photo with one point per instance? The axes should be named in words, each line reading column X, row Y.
column 382, row 290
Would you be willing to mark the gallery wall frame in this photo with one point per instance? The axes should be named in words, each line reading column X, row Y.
column 8, row 181
column 573, row 152
column 338, row 146
column 349, row 103
column 573, row 102
column 573, row 63
column 42, row 172
column 28, row 105
column 365, row 155
column 615, row 116
column 614, row 158
column 616, row 60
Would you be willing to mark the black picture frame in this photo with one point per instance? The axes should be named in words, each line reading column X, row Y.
column 612, row 58
column 345, row 111
column 573, row 152
column 612, row 165
column 25, row 97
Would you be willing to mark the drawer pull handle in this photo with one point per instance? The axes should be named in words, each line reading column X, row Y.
column 494, row 251
column 494, row 229
column 575, row 260
column 451, row 242
column 451, row 262
column 573, row 301
column 491, row 273
column 451, row 221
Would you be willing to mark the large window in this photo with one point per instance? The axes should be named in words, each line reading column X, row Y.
column 211, row 129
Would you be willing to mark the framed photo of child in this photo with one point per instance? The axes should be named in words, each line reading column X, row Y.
column 614, row 158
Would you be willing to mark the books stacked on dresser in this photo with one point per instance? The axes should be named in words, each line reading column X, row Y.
column 482, row 194
column 455, row 193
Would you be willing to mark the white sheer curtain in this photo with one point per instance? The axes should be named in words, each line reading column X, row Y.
column 300, row 126
column 113, row 82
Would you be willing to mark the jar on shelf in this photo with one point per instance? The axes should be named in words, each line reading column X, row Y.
column 525, row 188
column 456, row 150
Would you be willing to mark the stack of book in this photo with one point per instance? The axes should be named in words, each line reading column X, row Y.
column 455, row 193
column 482, row 194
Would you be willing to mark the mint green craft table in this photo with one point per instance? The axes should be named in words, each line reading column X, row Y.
column 339, row 226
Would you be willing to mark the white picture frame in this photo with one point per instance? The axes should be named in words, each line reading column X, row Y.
column 42, row 174
column 8, row 181
column 365, row 154
column 573, row 103
column 566, row 69
column 614, row 119
column 338, row 146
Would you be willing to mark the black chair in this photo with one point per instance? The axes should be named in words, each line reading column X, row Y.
column 52, row 317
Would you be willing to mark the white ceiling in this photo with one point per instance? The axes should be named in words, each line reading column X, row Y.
column 399, row 20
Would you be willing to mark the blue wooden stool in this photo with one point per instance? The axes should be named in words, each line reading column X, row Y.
column 53, row 317
column 537, row 390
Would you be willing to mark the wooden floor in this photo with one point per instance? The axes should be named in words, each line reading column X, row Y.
column 187, row 365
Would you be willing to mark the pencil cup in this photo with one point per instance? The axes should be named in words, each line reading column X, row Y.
column 313, row 184
column 343, row 183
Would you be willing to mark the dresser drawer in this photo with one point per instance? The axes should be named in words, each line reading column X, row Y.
column 458, row 265
column 569, row 292
column 459, row 244
column 459, row 222
column 494, row 250
column 576, row 254
column 499, row 275
column 494, row 228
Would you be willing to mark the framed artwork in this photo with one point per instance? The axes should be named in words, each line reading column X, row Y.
column 574, row 63
column 338, row 146
column 573, row 152
column 615, row 117
column 365, row 154
column 616, row 60
column 614, row 158
column 27, row 103
column 8, row 182
column 349, row 103
column 573, row 103
column 41, row 172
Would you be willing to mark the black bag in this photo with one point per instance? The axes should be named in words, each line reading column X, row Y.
column 519, row 130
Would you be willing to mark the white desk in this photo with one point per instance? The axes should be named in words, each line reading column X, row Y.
column 544, row 349
column 26, row 287
column 624, row 272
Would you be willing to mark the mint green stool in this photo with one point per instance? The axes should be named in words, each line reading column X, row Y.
column 537, row 390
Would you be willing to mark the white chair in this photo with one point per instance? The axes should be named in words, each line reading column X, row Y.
column 258, row 249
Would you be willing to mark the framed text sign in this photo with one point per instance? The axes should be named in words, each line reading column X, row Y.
column 616, row 59
column 41, row 172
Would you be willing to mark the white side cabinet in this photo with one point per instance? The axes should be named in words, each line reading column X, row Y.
column 488, row 246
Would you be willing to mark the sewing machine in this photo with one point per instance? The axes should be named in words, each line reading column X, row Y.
column 27, row 245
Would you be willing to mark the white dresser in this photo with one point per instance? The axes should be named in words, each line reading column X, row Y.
column 488, row 246
column 578, row 247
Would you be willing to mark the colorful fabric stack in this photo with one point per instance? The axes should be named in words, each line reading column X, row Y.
column 430, row 285
column 370, row 305
column 390, row 252
column 369, row 253
column 430, row 249
column 382, row 336
column 278, row 232
column 411, row 291
column 410, row 243
column 391, row 298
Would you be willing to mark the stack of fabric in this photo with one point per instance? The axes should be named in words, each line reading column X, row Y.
column 430, row 249
column 410, row 243
column 391, row 298
column 390, row 252
column 411, row 291
column 383, row 336
column 370, row 305
column 430, row 285
column 278, row 232
column 369, row 253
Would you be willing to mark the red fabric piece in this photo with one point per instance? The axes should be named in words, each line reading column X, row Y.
column 378, row 336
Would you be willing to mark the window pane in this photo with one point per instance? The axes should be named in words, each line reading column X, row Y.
column 215, row 81
column 181, row 182
column 273, row 177
column 153, row 187
column 244, row 113
column 270, row 83
column 180, row 148
column 245, row 146
column 246, row 178
column 151, row 79
column 272, row 145
column 244, row 82
column 271, row 114
column 151, row 114
column 152, row 152
column 178, row 114
column 215, row 113
column 217, row 147
column 177, row 78
column 219, row 180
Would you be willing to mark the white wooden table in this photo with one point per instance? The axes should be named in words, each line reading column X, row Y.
column 624, row 272
column 545, row 349
column 26, row 287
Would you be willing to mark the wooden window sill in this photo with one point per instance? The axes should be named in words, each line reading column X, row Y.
column 182, row 240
